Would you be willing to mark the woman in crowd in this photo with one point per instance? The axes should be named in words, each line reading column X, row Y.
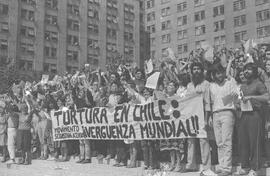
column 255, row 96
column 117, row 146
column 174, row 146
column 24, row 133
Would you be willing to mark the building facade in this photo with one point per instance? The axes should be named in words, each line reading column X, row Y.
column 185, row 25
column 56, row 36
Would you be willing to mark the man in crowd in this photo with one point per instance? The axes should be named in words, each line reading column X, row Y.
column 223, row 93
column 199, row 85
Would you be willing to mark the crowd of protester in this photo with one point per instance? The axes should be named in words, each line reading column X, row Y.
column 235, row 133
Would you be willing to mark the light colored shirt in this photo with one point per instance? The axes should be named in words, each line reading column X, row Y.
column 218, row 92
column 114, row 99
column 203, row 89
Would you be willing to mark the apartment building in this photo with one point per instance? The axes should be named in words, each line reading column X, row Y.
column 185, row 25
column 56, row 36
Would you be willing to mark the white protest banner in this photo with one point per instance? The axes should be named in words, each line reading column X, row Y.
column 172, row 118
column 152, row 80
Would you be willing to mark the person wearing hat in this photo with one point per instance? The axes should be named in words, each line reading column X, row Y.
column 3, row 130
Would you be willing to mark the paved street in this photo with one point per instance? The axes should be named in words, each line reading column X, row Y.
column 52, row 168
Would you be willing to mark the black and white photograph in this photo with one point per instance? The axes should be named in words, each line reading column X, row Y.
column 134, row 87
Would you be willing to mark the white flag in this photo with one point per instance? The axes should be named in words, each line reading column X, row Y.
column 149, row 66
column 253, row 43
column 171, row 54
column 152, row 81
column 247, row 45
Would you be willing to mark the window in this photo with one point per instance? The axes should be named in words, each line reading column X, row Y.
column 112, row 18
column 73, row 25
column 73, row 9
column 166, row 38
column 51, row 68
column 263, row 15
column 93, row 13
column 72, row 56
column 129, row 51
column 239, row 5
column 129, row 23
column 182, row 48
column 199, row 16
column 166, row 25
column 112, row 4
column 220, row 41
column 150, row 4
column 51, row 36
column 128, row 9
column 165, row 11
column 91, row 43
column 199, row 2
column 153, row 41
column 198, row 44
column 263, row 31
column 260, row 2
column 182, row 7
column 51, row 20
column 27, row 31
column 200, row 30
column 25, row 65
column 164, row 1
column 93, row 2
column 4, row 27
column 219, row 10
column 52, row 4
column 111, row 33
column 128, row 36
column 239, row 36
column 50, row 52
column 182, row 20
column 27, row 15
column 240, row 20
column 3, row 44
column 3, row 9
column 111, row 47
column 151, row 29
column 92, row 29
column 30, row 2
column 73, row 40
column 151, row 16
column 182, row 34
column 219, row 25
column 27, row 48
